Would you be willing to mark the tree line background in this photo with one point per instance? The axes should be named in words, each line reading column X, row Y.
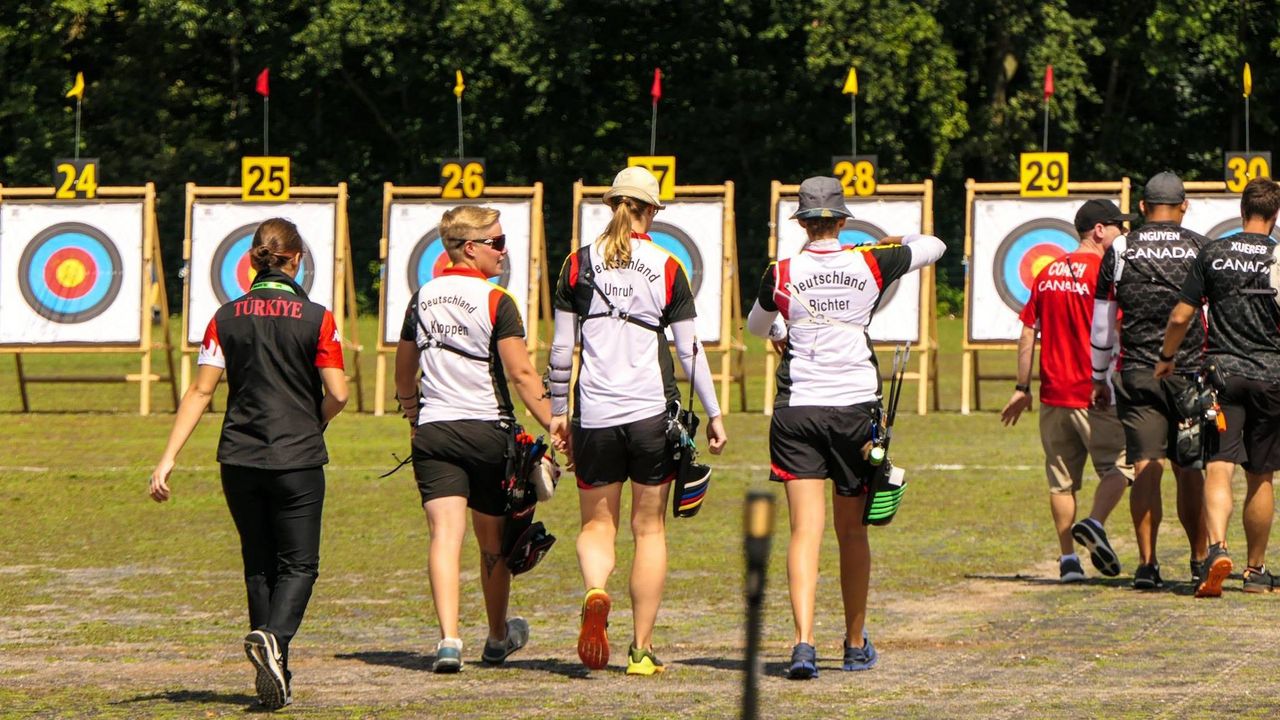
column 558, row 90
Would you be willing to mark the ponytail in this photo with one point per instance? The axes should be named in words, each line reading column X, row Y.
column 615, row 242
column 275, row 241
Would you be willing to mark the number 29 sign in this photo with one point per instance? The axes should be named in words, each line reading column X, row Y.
column 1043, row 174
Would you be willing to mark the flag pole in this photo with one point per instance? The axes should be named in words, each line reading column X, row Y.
column 1045, row 145
column 458, row 88
column 853, row 104
column 1048, row 94
column 77, row 126
column 266, row 127
column 653, row 129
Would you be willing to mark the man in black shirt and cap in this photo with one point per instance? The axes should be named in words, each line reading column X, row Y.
column 1140, row 278
column 1236, row 278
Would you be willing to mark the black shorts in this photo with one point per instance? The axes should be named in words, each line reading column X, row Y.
column 466, row 458
column 1252, row 437
column 636, row 450
column 822, row 442
column 1145, row 407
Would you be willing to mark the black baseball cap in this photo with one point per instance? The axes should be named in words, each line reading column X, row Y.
column 1100, row 211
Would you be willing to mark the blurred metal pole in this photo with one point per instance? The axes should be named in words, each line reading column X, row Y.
column 758, row 534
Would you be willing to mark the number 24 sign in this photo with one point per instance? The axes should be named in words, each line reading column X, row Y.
column 1043, row 174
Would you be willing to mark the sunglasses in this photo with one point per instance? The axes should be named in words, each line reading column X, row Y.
column 497, row 242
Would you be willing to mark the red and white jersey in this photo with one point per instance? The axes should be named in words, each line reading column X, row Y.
column 627, row 372
column 456, row 320
column 826, row 294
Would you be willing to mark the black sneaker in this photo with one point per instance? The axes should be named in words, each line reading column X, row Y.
column 1090, row 534
column 1069, row 570
column 271, row 684
column 517, row 636
column 1197, row 571
column 804, row 662
column 1147, row 577
column 1258, row 580
column 1217, row 567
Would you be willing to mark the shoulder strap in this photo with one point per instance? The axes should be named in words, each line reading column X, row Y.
column 1271, row 278
column 432, row 341
column 587, row 280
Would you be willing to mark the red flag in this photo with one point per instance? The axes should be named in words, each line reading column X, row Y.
column 656, row 90
column 263, row 86
column 1048, row 82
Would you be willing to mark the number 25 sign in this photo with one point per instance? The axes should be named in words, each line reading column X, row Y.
column 264, row 179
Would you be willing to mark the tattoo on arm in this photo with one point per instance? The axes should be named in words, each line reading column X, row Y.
column 490, row 561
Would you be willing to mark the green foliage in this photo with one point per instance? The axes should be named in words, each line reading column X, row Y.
column 557, row 90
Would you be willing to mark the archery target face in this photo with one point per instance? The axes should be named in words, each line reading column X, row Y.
column 416, row 253
column 71, row 273
column 232, row 274
column 897, row 319
column 221, row 233
column 691, row 230
column 1216, row 216
column 1013, row 239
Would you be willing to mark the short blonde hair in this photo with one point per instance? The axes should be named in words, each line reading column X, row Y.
column 465, row 222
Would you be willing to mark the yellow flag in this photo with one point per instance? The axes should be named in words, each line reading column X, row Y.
column 851, row 82
column 77, row 90
column 459, row 87
column 1248, row 81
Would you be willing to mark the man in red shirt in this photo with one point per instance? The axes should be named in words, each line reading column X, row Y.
column 1061, row 307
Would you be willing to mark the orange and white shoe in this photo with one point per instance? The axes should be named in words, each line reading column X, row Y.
column 1217, row 567
column 593, row 638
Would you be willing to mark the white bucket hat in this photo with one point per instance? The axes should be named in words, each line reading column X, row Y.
column 635, row 182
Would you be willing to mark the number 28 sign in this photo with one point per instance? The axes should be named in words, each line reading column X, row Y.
column 1043, row 174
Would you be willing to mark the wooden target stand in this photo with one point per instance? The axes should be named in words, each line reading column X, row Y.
column 926, row 348
column 730, row 347
column 153, row 293
column 539, row 297
column 971, row 374
column 345, row 309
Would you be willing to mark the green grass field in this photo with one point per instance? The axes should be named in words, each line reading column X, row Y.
column 113, row 606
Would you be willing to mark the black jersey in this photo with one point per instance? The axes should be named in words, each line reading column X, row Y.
column 1244, row 327
column 1143, row 273
column 271, row 341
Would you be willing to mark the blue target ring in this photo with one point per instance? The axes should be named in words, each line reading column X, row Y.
column 681, row 245
column 232, row 274
column 428, row 259
column 71, row 272
column 1025, row 251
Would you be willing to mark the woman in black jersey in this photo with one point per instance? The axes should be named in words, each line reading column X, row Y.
column 283, row 360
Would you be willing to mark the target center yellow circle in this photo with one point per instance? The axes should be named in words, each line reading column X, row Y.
column 71, row 273
column 1039, row 264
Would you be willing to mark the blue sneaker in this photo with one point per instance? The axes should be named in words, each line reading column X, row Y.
column 860, row 658
column 804, row 662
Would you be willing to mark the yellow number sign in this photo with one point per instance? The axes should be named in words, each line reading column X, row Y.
column 856, row 173
column 75, row 179
column 1243, row 167
column 1043, row 174
column 264, row 179
column 663, row 167
column 462, row 178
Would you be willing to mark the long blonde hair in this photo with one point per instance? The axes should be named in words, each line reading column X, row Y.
column 615, row 242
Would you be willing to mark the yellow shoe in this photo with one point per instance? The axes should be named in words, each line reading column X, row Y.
column 593, row 638
column 643, row 662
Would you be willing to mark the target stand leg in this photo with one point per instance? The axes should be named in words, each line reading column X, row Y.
column 380, row 386
column 966, row 380
column 22, row 383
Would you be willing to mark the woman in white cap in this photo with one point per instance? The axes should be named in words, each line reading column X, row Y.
column 816, row 307
column 623, row 292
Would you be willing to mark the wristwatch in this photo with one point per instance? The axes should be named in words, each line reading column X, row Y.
column 1169, row 358
column 1026, row 388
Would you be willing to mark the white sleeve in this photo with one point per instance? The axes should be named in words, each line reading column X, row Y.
column 696, row 367
column 766, row 323
column 561, row 360
column 925, row 250
column 1102, row 335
